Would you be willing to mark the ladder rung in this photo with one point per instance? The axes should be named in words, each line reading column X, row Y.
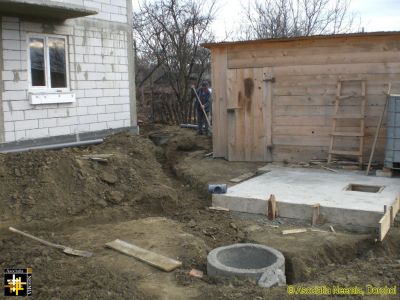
column 339, row 133
column 348, row 116
column 345, row 152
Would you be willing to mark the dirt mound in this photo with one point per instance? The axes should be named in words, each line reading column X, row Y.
column 41, row 185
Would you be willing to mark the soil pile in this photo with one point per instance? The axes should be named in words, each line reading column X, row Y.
column 41, row 185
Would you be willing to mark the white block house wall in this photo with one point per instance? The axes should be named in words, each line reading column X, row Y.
column 100, row 73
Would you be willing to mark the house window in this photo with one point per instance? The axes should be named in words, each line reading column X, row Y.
column 48, row 66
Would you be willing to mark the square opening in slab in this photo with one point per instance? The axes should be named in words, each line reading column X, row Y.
column 364, row 188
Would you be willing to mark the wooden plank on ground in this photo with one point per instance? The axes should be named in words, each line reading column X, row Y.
column 292, row 231
column 242, row 177
column 384, row 225
column 151, row 258
column 218, row 208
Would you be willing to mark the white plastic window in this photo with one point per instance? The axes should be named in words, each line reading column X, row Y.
column 48, row 63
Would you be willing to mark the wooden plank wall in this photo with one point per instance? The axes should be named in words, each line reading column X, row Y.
column 306, row 73
column 247, row 138
column 219, row 116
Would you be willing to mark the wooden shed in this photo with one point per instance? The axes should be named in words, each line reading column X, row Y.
column 275, row 99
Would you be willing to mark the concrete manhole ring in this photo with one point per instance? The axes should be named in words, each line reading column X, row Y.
column 264, row 264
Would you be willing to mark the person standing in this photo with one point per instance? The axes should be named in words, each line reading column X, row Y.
column 204, row 94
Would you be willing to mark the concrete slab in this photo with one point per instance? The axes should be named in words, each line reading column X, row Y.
column 44, row 9
column 297, row 190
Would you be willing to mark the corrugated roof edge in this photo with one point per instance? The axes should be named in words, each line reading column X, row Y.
column 302, row 38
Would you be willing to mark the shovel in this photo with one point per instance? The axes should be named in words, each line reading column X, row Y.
column 65, row 249
column 202, row 108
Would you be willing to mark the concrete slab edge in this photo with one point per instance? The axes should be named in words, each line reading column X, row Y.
column 336, row 215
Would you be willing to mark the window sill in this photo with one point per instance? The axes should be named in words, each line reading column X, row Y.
column 51, row 97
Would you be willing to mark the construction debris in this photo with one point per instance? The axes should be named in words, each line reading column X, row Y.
column 323, row 167
column 65, row 249
column 242, row 177
column 218, row 208
column 292, row 231
column 196, row 273
column 263, row 170
column 103, row 158
column 151, row 258
column 318, row 230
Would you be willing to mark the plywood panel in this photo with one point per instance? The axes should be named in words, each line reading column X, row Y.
column 218, row 70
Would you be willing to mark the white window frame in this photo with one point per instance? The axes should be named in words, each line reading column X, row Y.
column 47, row 88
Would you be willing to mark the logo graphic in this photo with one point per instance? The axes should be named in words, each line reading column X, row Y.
column 18, row 282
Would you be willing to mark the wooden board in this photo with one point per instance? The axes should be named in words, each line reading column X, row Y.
column 267, row 110
column 316, row 52
column 315, row 215
column 272, row 209
column 292, row 231
column 151, row 258
column 219, row 116
column 248, row 136
column 384, row 225
column 242, row 177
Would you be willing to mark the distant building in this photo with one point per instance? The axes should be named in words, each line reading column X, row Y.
column 67, row 70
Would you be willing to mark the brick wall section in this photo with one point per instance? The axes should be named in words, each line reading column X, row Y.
column 98, row 70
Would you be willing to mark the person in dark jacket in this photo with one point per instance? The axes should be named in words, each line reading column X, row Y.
column 204, row 94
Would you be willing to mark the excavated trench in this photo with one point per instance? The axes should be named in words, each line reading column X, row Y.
column 305, row 259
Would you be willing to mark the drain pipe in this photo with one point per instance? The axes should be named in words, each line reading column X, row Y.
column 56, row 146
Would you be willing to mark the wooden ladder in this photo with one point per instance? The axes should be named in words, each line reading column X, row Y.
column 342, row 116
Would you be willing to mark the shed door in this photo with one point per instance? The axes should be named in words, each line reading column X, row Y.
column 249, row 114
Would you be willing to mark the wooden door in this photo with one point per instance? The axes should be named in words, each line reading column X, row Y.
column 249, row 93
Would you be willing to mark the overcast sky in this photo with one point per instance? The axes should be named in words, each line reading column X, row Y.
column 376, row 15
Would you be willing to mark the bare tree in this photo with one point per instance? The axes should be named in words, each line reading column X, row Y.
column 169, row 34
column 288, row 18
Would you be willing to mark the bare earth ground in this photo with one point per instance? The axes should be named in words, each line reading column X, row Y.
column 156, row 197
